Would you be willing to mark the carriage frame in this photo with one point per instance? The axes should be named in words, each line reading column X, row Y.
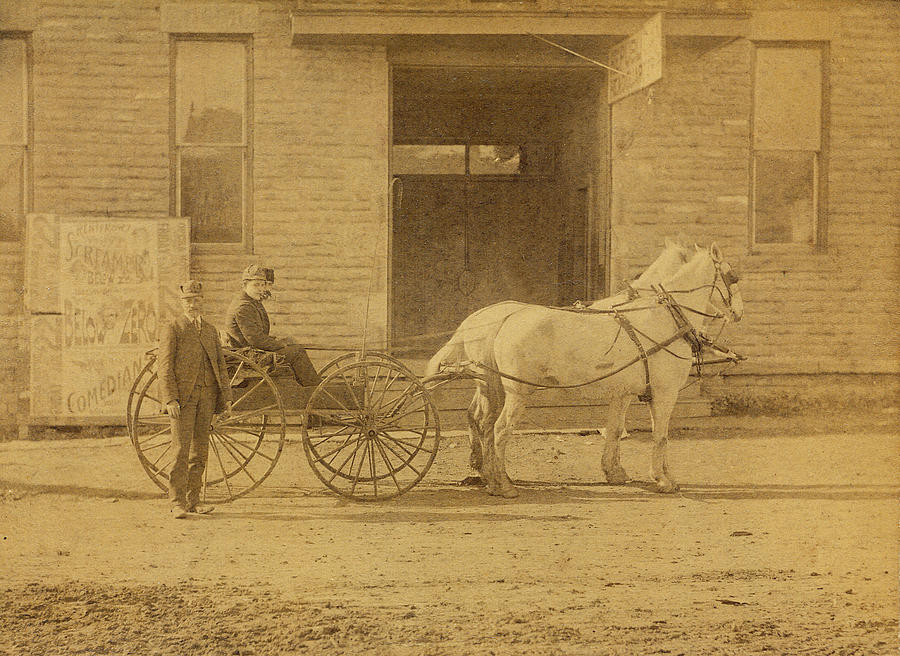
column 370, row 429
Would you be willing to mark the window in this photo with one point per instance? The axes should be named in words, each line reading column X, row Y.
column 14, row 136
column 473, row 159
column 212, row 147
column 788, row 175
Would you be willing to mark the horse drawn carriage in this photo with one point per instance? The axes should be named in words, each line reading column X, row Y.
column 371, row 429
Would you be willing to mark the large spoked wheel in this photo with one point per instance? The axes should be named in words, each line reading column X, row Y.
column 347, row 358
column 137, row 386
column 244, row 444
column 379, row 430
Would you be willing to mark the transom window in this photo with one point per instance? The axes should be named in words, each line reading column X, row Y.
column 788, row 146
column 14, row 136
column 472, row 159
column 212, row 143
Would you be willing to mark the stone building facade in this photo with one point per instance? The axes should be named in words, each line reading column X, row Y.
column 109, row 123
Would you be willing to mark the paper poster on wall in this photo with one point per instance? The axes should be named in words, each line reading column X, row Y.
column 111, row 281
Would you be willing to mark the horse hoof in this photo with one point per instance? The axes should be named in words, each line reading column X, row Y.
column 666, row 487
column 617, row 478
column 510, row 493
column 472, row 481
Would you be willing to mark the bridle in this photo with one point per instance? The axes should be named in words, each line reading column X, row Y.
column 728, row 277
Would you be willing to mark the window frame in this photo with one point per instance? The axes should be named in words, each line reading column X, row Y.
column 468, row 145
column 26, row 187
column 245, row 245
column 820, row 157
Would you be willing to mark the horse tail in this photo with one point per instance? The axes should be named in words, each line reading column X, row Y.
column 452, row 351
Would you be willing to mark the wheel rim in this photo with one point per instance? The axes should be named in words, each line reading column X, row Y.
column 381, row 430
column 244, row 445
column 370, row 355
column 150, row 431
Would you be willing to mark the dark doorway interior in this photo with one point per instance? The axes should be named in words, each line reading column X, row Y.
column 492, row 172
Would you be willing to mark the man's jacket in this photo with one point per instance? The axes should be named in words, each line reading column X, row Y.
column 180, row 361
column 247, row 324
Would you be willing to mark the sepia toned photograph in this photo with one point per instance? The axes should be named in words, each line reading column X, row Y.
column 449, row 327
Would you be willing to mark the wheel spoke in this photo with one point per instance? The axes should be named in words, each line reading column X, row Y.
column 327, row 391
column 238, row 458
column 386, row 388
column 144, row 439
column 325, row 438
column 372, row 469
column 238, row 446
column 388, row 463
column 236, row 371
column 233, row 419
column 412, row 445
column 241, row 429
column 222, row 467
column 147, row 448
column 395, row 426
column 339, row 448
column 359, row 469
column 153, row 398
column 246, row 395
column 410, row 454
column 352, row 455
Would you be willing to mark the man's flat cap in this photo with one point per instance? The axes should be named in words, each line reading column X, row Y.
column 258, row 272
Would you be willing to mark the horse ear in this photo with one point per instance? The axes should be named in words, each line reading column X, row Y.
column 716, row 252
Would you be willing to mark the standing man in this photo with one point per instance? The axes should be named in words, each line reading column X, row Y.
column 247, row 324
column 194, row 385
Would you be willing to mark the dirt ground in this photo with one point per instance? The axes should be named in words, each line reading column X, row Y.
column 783, row 540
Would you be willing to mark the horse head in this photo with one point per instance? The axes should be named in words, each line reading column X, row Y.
column 727, row 278
column 673, row 256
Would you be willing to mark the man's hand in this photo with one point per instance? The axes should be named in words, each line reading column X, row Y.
column 173, row 409
column 226, row 411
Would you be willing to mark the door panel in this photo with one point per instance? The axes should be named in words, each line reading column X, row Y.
column 461, row 243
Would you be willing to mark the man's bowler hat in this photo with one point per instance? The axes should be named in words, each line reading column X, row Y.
column 190, row 289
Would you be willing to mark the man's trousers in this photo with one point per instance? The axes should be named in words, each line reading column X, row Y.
column 190, row 440
column 304, row 371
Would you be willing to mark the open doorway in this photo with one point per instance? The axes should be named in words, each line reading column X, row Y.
column 493, row 173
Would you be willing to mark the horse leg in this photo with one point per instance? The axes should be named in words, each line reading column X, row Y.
column 512, row 411
column 615, row 428
column 476, row 415
column 661, row 408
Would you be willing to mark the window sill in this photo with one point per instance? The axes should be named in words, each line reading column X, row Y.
column 781, row 257
column 790, row 249
column 206, row 248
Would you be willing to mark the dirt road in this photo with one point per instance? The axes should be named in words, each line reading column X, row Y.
column 783, row 541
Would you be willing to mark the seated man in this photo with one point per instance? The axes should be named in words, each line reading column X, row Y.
column 247, row 324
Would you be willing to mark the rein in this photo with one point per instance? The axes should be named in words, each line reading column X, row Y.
column 683, row 330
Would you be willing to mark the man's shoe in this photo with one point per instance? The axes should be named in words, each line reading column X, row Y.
column 201, row 509
column 177, row 512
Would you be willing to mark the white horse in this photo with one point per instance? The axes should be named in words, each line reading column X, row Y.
column 643, row 344
column 473, row 343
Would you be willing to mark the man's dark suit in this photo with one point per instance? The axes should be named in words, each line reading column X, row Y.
column 247, row 324
column 191, row 370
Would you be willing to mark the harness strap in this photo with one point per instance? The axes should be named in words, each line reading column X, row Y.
column 656, row 348
column 625, row 324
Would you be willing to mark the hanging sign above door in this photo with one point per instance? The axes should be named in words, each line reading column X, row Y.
column 639, row 58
